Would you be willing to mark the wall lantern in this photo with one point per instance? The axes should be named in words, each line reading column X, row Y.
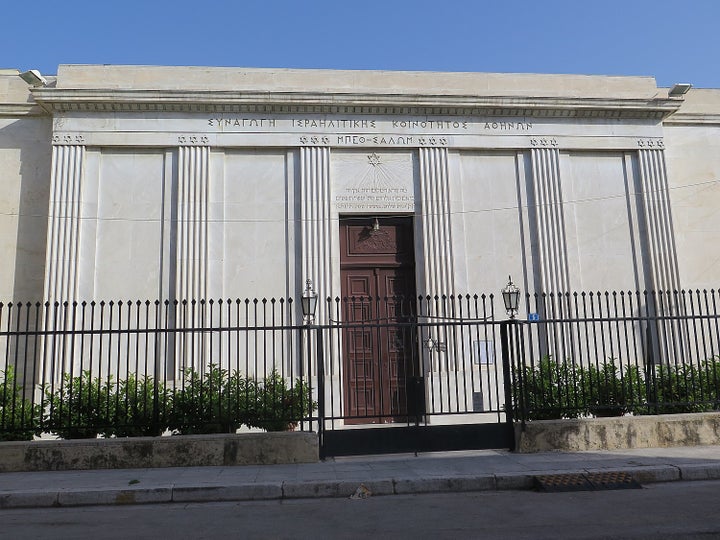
column 511, row 298
column 309, row 302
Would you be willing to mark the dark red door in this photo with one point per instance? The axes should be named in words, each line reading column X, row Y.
column 378, row 289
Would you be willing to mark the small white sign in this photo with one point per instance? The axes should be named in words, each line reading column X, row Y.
column 484, row 352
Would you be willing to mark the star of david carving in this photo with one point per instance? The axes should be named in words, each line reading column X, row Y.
column 374, row 159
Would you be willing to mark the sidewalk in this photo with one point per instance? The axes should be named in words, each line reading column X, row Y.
column 341, row 477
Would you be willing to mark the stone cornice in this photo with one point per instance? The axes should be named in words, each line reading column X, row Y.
column 64, row 100
column 22, row 109
column 691, row 119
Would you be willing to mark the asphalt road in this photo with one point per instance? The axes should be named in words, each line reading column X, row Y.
column 670, row 510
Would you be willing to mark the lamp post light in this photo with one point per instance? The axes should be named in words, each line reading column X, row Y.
column 511, row 298
column 509, row 337
column 309, row 303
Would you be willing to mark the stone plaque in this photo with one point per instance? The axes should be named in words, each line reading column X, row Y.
column 373, row 182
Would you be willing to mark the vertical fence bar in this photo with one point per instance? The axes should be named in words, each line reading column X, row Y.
column 505, row 330
column 6, row 356
column 321, row 388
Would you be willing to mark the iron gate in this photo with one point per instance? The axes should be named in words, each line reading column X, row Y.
column 412, row 375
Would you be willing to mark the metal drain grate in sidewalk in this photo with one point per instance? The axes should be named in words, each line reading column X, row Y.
column 585, row 482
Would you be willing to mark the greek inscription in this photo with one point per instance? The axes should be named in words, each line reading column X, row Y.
column 374, row 140
column 351, row 139
column 508, row 126
column 242, row 122
column 375, row 198
column 306, row 123
column 392, row 140
column 429, row 124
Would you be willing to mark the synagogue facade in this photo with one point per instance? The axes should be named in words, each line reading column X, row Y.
column 128, row 182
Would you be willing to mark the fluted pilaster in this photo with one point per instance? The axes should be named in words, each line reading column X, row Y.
column 63, row 256
column 552, row 261
column 658, row 221
column 437, row 240
column 316, row 222
column 61, row 269
column 192, row 223
column 192, row 257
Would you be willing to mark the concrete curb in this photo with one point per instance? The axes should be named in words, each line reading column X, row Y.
column 331, row 488
column 217, row 449
column 246, row 492
column 618, row 433
column 699, row 471
column 94, row 497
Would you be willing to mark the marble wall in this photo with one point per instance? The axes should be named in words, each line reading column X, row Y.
column 25, row 160
column 220, row 223
column 253, row 224
column 157, row 223
column 128, row 200
column 693, row 162
column 601, row 219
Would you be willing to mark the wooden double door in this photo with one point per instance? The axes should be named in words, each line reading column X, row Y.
column 377, row 269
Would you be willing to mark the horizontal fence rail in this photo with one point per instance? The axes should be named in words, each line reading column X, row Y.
column 87, row 369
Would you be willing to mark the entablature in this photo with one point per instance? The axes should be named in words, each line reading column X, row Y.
column 65, row 100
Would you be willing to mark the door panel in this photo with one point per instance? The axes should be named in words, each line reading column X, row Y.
column 378, row 288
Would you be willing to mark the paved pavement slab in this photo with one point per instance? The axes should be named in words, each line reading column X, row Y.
column 341, row 477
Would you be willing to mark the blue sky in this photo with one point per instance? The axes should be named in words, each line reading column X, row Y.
column 674, row 41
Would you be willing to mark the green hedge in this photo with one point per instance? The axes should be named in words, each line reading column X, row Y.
column 19, row 418
column 214, row 402
column 553, row 389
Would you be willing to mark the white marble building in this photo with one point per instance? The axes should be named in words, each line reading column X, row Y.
column 187, row 182
column 127, row 182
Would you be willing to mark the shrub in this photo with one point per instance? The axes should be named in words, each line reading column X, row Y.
column 136, row 408
column 279, row 407
column 709, row 383
column 546, row 391
column 553, row 390
column 19, row 418
column 634, row 388
column 611, row 391
column 80, row 407
column 216, row 402
column 682, row 388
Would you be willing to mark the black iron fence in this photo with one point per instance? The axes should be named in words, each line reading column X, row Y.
column 146, row 368
column 614, row 353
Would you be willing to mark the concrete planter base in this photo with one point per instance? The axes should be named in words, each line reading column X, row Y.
column 619, row 433
column 175, row 451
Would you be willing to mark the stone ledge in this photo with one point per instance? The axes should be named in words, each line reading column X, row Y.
column 151, row 452
column 619, row 433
